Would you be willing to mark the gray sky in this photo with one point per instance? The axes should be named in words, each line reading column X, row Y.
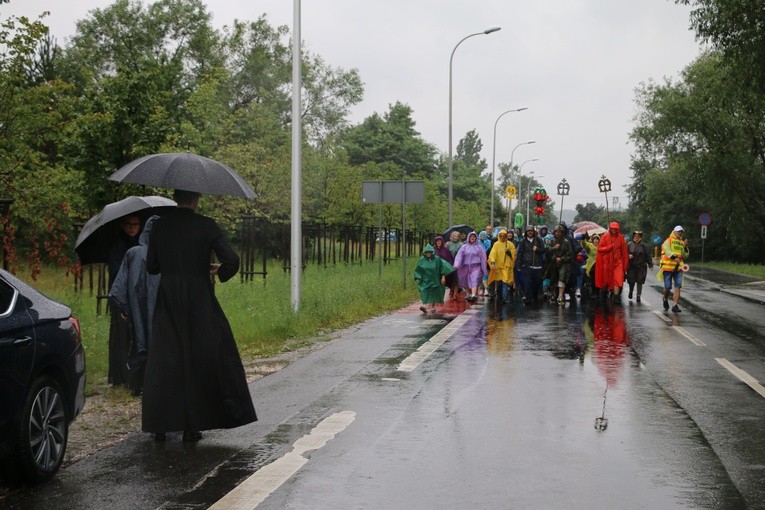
column 573, row 63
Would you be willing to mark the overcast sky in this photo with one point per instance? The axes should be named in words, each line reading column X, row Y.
column 573, row 63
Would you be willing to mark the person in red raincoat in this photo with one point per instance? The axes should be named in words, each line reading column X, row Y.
column 612, row 260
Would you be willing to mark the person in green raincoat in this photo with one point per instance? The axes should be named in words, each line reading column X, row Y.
column 430, row 275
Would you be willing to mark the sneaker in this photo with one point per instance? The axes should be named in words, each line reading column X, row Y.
column 676, row 309
column 423, row 309
column 638, row 298
column 629, row 295
column 666, row 304
column 561, row 301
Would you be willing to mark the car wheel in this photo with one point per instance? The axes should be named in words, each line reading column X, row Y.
column 43, row 432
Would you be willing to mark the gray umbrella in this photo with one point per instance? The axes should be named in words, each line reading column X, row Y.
column 186, row 171
column 97, row 235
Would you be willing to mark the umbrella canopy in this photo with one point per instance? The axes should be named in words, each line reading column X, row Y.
column 185, row 171
column 495, row 234
column 586, row 226
column 459, row 228
column 97, row 235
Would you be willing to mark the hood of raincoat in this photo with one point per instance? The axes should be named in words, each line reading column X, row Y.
column 614, row 226
column 471, row 235
column 428, row 248
column 144, row 239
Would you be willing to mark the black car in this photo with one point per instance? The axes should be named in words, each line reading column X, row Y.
column 42, row 380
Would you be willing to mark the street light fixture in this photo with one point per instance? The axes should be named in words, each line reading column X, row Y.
column 563, row 189
column 451, row 161
column 604, row 185
column 494, row 159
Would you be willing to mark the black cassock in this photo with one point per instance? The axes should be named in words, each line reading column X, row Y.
column 194, row 376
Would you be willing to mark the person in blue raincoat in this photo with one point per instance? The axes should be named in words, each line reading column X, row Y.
column 430, row 275
column 133, row 295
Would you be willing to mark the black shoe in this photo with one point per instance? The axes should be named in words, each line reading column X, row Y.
column 629, row 296
column 638, row 298
column 160, row 437
column 676, row 309
column 191, row 436
column 666, row 304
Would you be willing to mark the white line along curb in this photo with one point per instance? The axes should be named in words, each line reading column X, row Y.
column 250, row 493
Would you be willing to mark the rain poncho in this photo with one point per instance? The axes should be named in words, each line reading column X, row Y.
column 134, row 293
column 502, row 259
column 428, row 274
column 611, row 260
column 442, row 251
column 470, row 263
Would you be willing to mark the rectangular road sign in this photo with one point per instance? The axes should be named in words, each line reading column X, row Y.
column 393, row 192
column 703, row 231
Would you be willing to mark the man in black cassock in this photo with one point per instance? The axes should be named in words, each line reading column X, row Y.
column 194, row 376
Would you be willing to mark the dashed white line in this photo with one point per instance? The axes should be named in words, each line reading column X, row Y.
column 429, row 347
column 250, row 493
column 742, row 376
column 689, row 336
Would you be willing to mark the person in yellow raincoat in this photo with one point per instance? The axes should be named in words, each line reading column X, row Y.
column 671, row 266
column 501, row 261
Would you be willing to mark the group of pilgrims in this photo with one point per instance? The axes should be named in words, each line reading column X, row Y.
column 539, row 265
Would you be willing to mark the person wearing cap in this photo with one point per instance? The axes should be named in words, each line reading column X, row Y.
column 528, row 262
column 502, row 261
column 673, row 251
column 559, row 257
column 639, row 261
column 612, row 261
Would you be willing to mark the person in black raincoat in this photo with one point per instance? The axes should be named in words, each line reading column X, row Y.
column 119, row 334
column 133, row 295
column 194, row 376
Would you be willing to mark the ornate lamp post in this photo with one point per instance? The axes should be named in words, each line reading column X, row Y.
column 451, row 160
column 563, row 189
column 604, row 185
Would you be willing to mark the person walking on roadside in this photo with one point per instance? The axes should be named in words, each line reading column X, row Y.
column 119, row 333
column 194, row 378
column 502, row 261
column 559, row 256
column 673, row 251
column 430, row 275
column 444, row 252
column 612, row 261
column 133, row 295
column 470, row 264
column 484, row 239
column 639, row 262
column 528, row 261
column 590, row 246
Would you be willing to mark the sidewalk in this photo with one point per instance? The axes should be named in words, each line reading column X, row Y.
column 747, row 287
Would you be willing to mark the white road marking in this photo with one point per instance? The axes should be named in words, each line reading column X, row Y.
column 689, row 336
column 392, row 379
column 662, row 316
column 742, row 376
column 250, row 493
column 429, row 347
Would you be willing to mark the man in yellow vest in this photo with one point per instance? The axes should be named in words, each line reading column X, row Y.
column 673, row 251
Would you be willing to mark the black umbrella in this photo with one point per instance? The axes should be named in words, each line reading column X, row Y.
column 186, row 171
column 462, row 229
column 97, row 235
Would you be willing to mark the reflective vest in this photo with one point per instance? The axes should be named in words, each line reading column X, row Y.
column 673, row 245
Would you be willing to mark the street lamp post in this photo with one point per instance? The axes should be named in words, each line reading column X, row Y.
column 451, row 59
column 494, row 159
column 604, row 185
column 520, row 185
column 563, row 189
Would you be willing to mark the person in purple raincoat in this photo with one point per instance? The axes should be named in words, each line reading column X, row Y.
column 443, row 252
column 470, row 264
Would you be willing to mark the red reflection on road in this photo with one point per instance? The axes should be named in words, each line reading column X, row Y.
column 611, row 342
column 449, row 309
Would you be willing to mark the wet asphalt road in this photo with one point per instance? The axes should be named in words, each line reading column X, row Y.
column 551, row 407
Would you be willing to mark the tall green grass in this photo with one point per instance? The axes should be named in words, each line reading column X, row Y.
column 757, row 270
column 260, row 313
